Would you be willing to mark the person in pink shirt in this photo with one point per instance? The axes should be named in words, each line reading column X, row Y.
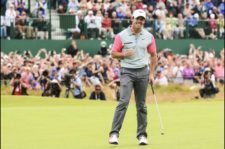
column 26, row 77
column 188, row 72
column 219, row 71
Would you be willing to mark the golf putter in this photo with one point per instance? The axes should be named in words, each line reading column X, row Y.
column 157, row 109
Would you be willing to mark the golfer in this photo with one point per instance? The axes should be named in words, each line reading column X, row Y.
column 133, row 47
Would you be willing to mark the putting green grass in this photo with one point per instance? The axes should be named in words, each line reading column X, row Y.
column 49, row 123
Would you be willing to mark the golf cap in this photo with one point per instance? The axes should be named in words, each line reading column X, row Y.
column 103, row 44
column 139, row 13
column 90, row 12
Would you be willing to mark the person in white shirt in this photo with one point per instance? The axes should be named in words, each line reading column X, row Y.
column 98, row 21
column 90, row 19
column 10, row 16
column 160, row 79
column 3, row 27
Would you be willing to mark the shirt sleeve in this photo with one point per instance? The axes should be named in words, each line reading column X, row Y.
column 117, row 46
column 152, row 46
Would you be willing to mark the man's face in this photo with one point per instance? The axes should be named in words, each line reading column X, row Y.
column 138, row 22
column 97, row 89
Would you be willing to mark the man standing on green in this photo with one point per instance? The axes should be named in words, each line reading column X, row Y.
column 133, row 47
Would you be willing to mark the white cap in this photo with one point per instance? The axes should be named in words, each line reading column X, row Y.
column 212, row 16
column 90, row 12
column 11, row 5
column 103, row 44
column 196, row 15
column 139, row 13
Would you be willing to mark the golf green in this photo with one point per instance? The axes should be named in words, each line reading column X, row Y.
column 50, row 123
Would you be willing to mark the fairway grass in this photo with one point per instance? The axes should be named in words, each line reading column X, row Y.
column 50, row 123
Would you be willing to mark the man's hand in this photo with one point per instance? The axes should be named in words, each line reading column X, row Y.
column 151, row 78
column 128, row 53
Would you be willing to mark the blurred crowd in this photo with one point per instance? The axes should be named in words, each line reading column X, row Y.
column 73, row 71
column 19, row 22
column 167, row 19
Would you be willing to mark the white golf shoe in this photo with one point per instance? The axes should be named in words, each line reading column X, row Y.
column 113, row 139
column 143, row 140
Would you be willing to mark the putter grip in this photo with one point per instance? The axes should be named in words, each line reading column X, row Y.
column 151, row 83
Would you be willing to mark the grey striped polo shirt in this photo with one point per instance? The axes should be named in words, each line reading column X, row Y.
column 139, row 43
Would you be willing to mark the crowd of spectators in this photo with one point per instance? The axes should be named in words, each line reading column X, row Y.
column 18, row 22
column 74, row 71
column 167, row 19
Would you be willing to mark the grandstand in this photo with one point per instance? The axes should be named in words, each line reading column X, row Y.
column 176, row 18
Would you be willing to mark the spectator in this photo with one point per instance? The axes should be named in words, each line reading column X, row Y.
column 91, row 25
column 10, row 16
column 107, row 26
column 177, row 72
column 208, row 5
column 219, row 72
column 90, row 4
column 170, row 29
column 138, row 4
column 18, row 87
column 55, row 87
column 115, row 23
column 180, row 24
column 208, row 88
column 88, row 74
column 221, row 7
column 20, row 6
column 61, row 9
column 160, row 79
column 3, row 28
column 78, row 91
column 97, row 70
column 213, row 26
column 26, row 78
column 98, row 6
column 72, row 49
column 160, row 27
column 192, row 20
column 40, row 24
column 110, row 10
column 41, row 7
column 44, row 81
column 73, row 6
column 197, row 74
column 195, row 29
column 97, row 94
column 222, row 54
column 106, row 4
column 120, row 13
column 3, row 6
column 98, row 20
column 23, row 28
column 220, row 22
column 114, row 76
column 103, row 51
column 188, row 71
column 161, row 10
column 62, row 6
column 83, row 7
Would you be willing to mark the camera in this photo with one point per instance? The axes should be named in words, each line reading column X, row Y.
column 68, row 77
column 92, row 21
